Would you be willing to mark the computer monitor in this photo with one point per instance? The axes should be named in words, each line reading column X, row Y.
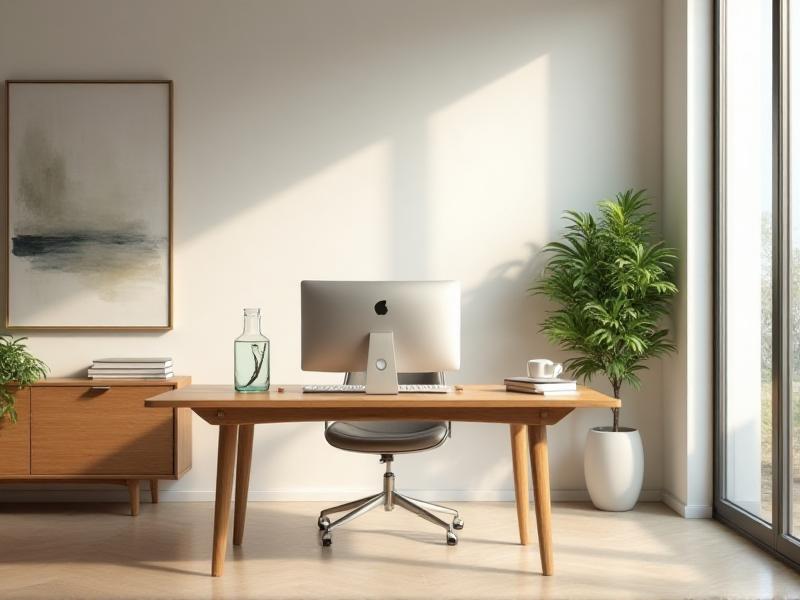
column 381, row 327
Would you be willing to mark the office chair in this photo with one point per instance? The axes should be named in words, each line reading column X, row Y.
column 388, row 438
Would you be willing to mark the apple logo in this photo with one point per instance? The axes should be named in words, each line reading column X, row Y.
column 381, row 308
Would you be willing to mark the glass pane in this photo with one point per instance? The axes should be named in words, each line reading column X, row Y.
column 794, row 289
column 748, row 254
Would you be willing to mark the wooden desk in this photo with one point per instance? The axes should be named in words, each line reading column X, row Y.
column 237, row 413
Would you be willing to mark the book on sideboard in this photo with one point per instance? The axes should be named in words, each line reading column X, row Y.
column 105, row 374
column 135, row 371
column 132, row 363
column 132, row 368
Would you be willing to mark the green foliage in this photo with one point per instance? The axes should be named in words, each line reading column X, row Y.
column 613, row 286
column 18, row 368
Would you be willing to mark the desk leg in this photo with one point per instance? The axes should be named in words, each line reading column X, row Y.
column 226, row 456
column 537, row 435
column 244, row 459
column 519, row 458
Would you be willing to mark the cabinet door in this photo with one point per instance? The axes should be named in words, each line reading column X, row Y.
column 15, row 450
column 85, row 431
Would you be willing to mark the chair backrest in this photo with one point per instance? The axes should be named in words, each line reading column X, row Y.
column 359, row 378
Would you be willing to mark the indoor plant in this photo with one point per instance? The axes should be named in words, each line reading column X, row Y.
column 612, row 286
column 18, row 369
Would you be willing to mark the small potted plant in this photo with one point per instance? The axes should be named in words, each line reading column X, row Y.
column 18, row 369
column 612, row 285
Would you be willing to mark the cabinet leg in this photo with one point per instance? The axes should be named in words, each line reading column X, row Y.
column 133, row 492
column 154, row 491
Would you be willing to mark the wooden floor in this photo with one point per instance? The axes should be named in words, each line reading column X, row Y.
column 84, row 552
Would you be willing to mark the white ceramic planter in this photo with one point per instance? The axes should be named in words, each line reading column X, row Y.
column 613, row 464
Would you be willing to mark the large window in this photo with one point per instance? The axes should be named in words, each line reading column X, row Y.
column 748, row 253
column 758, row 265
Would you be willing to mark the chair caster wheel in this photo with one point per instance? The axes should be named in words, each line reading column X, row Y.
column 458, row 523
column 323, row 523
column 327, row 539
column 452, row 540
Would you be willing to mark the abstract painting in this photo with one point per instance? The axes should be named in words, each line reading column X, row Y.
column 89, row 204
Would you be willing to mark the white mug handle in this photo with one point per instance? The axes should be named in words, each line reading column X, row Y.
column 558, row 368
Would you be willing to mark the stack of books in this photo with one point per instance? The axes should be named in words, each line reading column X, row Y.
column 131, row 368
column 541, row 385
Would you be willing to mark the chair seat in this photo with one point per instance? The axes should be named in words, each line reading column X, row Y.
column 386, row 437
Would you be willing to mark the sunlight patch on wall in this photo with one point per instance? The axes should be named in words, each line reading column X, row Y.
column 488, row 164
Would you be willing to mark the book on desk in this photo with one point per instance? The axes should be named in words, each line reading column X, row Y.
column 544, row 386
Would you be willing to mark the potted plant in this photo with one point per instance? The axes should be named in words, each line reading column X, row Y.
column 18, row 369
column 612, row 284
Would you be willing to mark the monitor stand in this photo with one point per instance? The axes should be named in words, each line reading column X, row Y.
column 381, row 366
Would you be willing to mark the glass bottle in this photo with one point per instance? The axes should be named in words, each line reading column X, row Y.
column 251, row 355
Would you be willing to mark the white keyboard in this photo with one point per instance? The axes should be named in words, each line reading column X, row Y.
column 356, row 389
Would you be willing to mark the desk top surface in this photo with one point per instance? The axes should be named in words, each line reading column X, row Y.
column 471, row 396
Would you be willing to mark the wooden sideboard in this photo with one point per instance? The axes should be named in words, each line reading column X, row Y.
column 96, row 431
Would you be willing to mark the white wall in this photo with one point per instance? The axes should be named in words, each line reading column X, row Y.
column 687, row 215
column 371, row 140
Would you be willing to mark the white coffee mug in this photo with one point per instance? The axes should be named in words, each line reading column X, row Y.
column 543, row 367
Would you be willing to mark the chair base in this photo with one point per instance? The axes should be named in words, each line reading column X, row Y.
column 389, row 498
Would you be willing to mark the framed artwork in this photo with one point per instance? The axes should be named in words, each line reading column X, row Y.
column 89, row 205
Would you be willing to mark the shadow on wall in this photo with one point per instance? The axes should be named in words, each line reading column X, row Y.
column 502, row 312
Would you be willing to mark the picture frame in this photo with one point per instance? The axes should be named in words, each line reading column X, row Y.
column 89, row 205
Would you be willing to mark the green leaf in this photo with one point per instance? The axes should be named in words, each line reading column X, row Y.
column 18, row 368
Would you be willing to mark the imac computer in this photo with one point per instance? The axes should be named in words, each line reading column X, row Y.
column 380, row 327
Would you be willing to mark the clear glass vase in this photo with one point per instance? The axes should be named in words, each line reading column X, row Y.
column 251, row 355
